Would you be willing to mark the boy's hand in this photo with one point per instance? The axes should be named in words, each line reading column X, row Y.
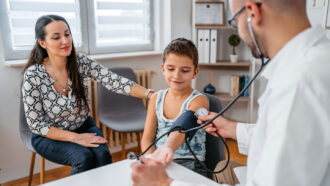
column 163, row 155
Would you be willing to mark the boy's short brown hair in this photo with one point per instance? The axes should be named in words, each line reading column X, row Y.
column 182, row 46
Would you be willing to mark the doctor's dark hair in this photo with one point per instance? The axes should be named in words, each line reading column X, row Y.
column 182, row 46
column 38, row 54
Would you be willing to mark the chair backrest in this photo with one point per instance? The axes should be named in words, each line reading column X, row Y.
column 24, row 130
column 215, row 149
column 113, row 105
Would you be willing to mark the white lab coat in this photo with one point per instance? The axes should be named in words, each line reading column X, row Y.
column 290, row 143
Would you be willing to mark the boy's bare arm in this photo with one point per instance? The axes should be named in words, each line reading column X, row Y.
column 150, row 126
column 176, row 139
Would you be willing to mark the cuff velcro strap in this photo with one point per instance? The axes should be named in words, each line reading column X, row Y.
column 186, row 121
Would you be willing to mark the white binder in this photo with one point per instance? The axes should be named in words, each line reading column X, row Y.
column 213, row 46
column 200, row 45
column 206, row 46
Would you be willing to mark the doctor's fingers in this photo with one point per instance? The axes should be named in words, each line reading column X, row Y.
column 203, row 119
column 136, row 172
column 211, row 130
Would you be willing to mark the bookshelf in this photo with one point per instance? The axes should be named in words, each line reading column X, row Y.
column 223, row 68
column 213, row 27
column 225, row 97
column 226, row 65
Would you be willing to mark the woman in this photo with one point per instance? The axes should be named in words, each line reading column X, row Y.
column 55, row 98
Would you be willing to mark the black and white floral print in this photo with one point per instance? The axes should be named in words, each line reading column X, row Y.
column 45, row 107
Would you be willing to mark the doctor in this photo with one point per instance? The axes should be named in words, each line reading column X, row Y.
column 290, row 143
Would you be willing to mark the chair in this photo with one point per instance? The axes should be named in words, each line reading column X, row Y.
column 215, row 149
column 123, row 114
column 26, row 136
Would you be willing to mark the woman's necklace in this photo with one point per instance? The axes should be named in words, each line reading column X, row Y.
column 55, row 78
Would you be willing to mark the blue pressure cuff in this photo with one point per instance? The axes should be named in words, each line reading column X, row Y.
column 186, row 120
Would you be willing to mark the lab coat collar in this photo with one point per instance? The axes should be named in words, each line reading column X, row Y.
column 294, row 48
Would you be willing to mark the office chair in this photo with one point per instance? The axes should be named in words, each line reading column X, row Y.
column 26, row 136
column 215, row 149
column 123, row 114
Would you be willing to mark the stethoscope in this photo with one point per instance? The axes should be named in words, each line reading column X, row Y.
column 132, row 155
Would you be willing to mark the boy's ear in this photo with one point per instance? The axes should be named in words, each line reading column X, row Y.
column 162, row 66
column 195, row 72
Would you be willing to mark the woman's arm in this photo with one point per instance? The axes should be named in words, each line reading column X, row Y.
column 31, row 96
column 139, row 91
column 109, row 79
column 150, row 126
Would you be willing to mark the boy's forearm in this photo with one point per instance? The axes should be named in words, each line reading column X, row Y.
column 145, row 145
column 175, row 140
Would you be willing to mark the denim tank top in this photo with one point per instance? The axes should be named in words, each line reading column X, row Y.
column 197, row 143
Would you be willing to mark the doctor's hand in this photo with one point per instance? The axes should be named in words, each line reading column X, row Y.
column 162, row 155
column 150, row 172
column 225, row 127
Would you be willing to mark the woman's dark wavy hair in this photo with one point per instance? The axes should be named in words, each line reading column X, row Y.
column 182, row 46
column 38, row 54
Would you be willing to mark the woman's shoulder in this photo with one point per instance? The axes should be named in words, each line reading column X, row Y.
column 35, row 70
column 83, row 58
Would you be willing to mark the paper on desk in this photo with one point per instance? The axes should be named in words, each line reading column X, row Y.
column 241, row 174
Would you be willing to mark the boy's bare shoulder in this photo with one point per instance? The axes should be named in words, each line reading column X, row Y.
column 153, row 98
column 199, row 101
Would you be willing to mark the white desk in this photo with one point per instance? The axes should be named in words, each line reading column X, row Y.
column 119, row 174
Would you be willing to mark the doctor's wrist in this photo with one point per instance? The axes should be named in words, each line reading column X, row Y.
column 234, row 136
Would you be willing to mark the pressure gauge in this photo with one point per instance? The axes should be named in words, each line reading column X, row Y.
column 201, row 112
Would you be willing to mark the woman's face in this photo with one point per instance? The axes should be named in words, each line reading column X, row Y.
column 58, row 39
column 178, row 71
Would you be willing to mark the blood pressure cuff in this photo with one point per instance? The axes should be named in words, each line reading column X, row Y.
column 185, row 121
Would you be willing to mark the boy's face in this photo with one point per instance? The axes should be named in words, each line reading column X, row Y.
column 178, row 71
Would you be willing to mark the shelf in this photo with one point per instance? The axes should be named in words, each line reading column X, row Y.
column 226, row 65
column 225, row 97
column 199, row 26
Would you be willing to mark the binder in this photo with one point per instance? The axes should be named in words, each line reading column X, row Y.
column 246, row 81
column 213, row 46
column 234, row 85
column 206, row 50
column 200, row 45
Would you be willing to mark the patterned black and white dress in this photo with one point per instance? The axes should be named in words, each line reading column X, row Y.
column 45, row 107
